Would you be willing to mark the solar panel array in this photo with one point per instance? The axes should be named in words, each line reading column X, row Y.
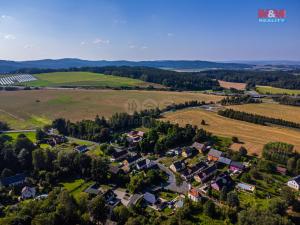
column 9, row 80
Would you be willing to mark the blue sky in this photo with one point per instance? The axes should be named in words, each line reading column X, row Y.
column 147, row 30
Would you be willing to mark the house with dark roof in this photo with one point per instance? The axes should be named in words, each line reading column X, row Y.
column 177, row 166
column 236, row 166
column 187, row 152
column 144, row 164
column 214, row 155
column 201, row 148
column 118, row 155
column 206, row 174
column 190, row 171
column 13, row 180
column 294, row 183
column 81, row 148
column 221, row 181
column 131, row 160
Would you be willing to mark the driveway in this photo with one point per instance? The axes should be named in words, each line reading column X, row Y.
column 183, row 188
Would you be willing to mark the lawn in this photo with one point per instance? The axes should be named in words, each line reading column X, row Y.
column 248, row 199
column 274, row 110
column 274, row 90
column 75, row 187
column 254, row 136
column 35, row 108
column 30, row 135
column 83, row 79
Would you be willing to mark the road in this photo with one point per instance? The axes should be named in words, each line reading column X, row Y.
column 183, row 188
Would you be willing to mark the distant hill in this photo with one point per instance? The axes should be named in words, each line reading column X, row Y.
column 10, row 66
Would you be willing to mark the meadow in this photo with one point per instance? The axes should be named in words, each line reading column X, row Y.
column 84, row 79
column 269, row 109
column 253, row 136
column 30, row 109
column 274, row 90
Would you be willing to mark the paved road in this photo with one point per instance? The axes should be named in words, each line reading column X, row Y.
column 183, row 188
column 17, row 131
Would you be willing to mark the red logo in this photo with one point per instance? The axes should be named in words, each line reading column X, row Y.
column 271, row 13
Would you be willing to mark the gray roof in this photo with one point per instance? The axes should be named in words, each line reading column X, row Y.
column 13, row 179
column 237, row 164
column 197, row 145
column 215, row 153
column 224, row 160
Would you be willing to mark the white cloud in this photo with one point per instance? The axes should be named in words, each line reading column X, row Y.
column 144, row 47
column 170, row 34
column 82, row 43
column 101, row 41
column 9, row 37
column 132, row 46
column 28, row 46
column 6, row 17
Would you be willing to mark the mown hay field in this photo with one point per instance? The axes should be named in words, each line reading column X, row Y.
column 228, row 85
column 29, row 109
column 254, row 136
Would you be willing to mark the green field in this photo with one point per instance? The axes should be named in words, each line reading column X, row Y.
column 274, row 90
column 35, row 108
column 84, row 79
column 30, row 135
column 76, row 187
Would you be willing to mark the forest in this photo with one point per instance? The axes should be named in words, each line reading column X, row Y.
column 288, row 100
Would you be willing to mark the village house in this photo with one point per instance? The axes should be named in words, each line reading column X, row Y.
column 194, row 195
column 221, row 181
column 190, row 171
column 177, row 166
column 214, row 155
column 28, row 192
column 13, row 180
column 131, row 160
column 118, row 154
column 224, row 160
column 144, row 164
column 294, row 183
column 150, row 198
column 187, row 152
column 236, row 166
column 245, row 187
column 134, row 137
column 201, row 148
column 81, row 148
column 206, row 174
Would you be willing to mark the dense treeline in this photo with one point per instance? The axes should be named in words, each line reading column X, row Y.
column 281, row 79
column 100, row 129
column 3, row 126
column 258, row 119
column 172, row 79
column 288, row 100
column 284, row 154
column 183, row 105
column 238, row 100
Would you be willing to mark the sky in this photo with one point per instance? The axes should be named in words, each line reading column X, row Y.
column 216, row 30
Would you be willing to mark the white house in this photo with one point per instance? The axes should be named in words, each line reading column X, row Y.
column 294, row 183
column 28, row 192
column 194, row 195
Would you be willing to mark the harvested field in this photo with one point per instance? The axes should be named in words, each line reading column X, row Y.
column 274, row 110
column 228, row 85
column 254, row 136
